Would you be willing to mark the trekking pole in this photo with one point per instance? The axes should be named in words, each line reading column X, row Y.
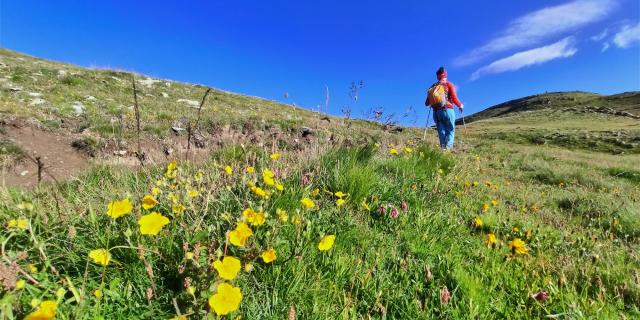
column 463, row 123
column 426, row 127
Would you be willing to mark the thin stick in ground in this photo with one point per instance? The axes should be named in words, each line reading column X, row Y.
column 139, row 155
column 196, row 124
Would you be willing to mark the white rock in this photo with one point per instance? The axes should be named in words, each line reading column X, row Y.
column 148, row 82
column 37, row 102
column 116, row 78
column 165, row 95
column 62, row 73
column 78, row 107
column 35, row 94
column 190, row 103
column 91, row 98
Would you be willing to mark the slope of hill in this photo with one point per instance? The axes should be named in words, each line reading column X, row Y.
column 534, row 215
column 93, row 111
column 624, row 105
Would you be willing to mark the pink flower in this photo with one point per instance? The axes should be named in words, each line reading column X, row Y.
column 305, row 179
column 404, row 206
column 541, row 296
column 445, row 296
column 394, row 213
column 381, row 210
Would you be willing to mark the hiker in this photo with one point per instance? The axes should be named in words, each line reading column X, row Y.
column 441, row 97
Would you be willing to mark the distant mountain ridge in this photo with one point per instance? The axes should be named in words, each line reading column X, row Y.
column 622, row 104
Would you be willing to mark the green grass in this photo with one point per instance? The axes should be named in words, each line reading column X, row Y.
column 379, row 265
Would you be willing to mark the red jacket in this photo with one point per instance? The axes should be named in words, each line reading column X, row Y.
column 453, row 97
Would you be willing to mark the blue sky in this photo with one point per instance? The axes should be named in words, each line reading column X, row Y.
column 494, row 50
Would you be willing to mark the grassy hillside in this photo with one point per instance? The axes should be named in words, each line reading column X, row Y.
column 623, row 105
column 526, row 219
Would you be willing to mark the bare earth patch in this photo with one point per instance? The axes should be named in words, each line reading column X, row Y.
column 61, row 161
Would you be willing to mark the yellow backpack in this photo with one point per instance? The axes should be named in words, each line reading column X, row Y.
column 438, row 95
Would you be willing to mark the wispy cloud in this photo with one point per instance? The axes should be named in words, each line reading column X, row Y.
column 598, row 37
column 562, row 49
column 628, row 35
column 537, row 26
column 605, row 47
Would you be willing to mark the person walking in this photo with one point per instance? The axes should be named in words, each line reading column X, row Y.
column 441, row 97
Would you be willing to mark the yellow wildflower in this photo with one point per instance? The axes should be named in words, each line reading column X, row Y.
column 178, row 208
column 117, row 209
column 250, row 169
column 61, row 292
column 32, row 268
column 259, row 192
column 193, row 193
column 275, row 156
column 152, row 223
column 239, row 236
column 226, row 300
column 326, row 242
column 296, row 219
column 475, row 183
column 279, row 186
column 376, row 145
column 155, row 191
column 490, row 240
column 198, row 176
column 97, row 293
column 408, row 150
column 20, row 284
column 477, row 222
column 27, row 206
column 228, row 170
column 255, row 218
column 228, row 268
column 188, row 255
column 148, row 202
column 171, row 169
column 315, row 192
column 365, row 205
column 282, row 215
column 340, row 202
column 340, row 194
column 46, row 311
column 307, row 203
column 393, row 151
column 100, row 256
column 35, row 302
column 528, row 234
column 269, row 256
column 13, row 223
column 494, row 202
column 485, row 208
column 248, row 267
column 173, row 165
column 517, row 246
column 22, row 223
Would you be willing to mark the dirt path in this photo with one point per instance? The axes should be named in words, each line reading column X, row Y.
column 61, row 161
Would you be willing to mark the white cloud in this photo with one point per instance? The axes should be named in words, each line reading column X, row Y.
column 605, row 47
column 539, row 25
column 628, row 35
column 598, row 37
column 562, row 49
